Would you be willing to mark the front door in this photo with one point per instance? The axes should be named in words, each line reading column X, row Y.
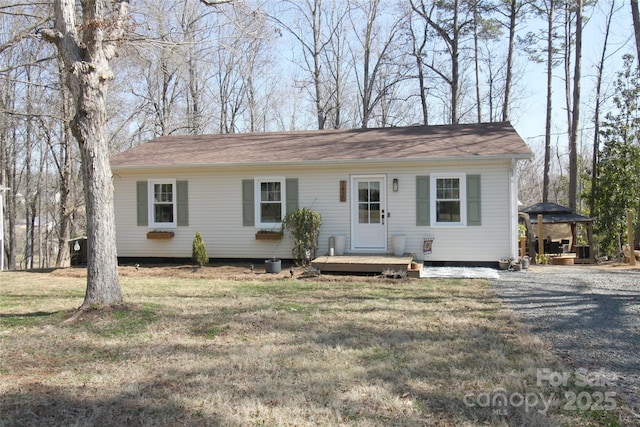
column 368, row 205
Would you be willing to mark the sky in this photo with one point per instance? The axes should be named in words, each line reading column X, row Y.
column 528, row 117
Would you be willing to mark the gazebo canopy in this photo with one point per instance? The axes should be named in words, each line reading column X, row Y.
column 553, row 213
column 559, row 223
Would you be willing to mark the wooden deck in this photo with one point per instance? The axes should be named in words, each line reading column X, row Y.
column 362, row 263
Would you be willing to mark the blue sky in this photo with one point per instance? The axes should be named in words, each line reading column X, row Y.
column 529, row 116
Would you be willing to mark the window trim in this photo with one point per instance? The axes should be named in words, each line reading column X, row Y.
column 462, row 178
column 258, row 201
column 151, row 192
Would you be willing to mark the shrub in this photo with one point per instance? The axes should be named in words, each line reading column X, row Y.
column 304, row 225
column 198, row 251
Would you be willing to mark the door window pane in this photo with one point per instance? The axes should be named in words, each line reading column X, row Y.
column 369, row 202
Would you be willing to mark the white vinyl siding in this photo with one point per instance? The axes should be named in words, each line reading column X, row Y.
column 216, row 211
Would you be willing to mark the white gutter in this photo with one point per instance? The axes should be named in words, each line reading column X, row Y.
column 324, row 163
column 513, row 210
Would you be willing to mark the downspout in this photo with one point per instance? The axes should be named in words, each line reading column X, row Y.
column 513, row 210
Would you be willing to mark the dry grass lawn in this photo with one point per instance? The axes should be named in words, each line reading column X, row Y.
column 223, row 346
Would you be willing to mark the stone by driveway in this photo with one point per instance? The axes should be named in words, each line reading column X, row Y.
column 591, row 317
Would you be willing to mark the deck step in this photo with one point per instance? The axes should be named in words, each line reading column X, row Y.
column 361, row 263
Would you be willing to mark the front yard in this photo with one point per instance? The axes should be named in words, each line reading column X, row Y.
column 252, row 349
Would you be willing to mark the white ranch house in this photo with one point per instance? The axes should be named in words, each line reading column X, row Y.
column 456, row 184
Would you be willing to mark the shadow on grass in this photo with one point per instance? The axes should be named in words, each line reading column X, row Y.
column 46, row 405
column 34, row 314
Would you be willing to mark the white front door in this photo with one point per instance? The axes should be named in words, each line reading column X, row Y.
column 368, row 219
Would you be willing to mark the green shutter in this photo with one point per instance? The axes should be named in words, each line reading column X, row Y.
column 248, row 212
column 292, row 194
column 422, row 200
column 474, row 206
column 142, row 203
column 182, row 198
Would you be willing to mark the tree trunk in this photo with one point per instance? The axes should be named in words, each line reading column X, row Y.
column 547, row 133
column 575, row 117
column 452, row 40
column 64, row 179
column 596, row 114
column 417, row 50
column 512, row 36
column 455, row 65
column 366, row 83
column 316, row 19
column 476, row 60
column 86, row 57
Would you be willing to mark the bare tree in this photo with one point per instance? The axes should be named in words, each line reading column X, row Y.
column 450, row 29
column 24, row 64
column 62, row 158
column 598, row 104
column 86, row 49
column 338, row 68
column 419, row 35
column 373, row 55
column 515, row 11
column 310, row 16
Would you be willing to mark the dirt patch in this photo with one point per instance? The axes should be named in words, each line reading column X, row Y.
column 227, row 271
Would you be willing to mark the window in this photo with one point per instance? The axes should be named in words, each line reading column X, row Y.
column 162, row 204
column 449, row 203
column 270, row 202
column 369, row 202
column 448, row 200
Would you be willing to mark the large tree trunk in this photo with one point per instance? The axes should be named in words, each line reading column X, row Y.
column 86, row 56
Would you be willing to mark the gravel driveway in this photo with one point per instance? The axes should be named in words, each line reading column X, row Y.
column 591, row 317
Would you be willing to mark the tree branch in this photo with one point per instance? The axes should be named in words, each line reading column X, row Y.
column 215, row 2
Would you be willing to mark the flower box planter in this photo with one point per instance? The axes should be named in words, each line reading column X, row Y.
column 268, row 236
column 160, row 235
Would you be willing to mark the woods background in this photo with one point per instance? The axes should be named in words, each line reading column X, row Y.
column 183, row 67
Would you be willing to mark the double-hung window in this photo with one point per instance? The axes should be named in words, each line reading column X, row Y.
column 449, row 203
column 270, row 201
column 162, row 204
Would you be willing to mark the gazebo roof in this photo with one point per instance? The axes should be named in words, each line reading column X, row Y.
column 553, row 213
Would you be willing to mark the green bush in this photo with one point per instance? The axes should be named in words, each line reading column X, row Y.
column 198, row 251
column 304, row 225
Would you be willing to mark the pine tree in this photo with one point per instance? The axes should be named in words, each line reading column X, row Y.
column 198, row 251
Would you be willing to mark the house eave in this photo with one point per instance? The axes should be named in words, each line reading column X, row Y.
column 323, row 163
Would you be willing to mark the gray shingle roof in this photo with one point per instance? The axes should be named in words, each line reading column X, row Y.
column 489, row 140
